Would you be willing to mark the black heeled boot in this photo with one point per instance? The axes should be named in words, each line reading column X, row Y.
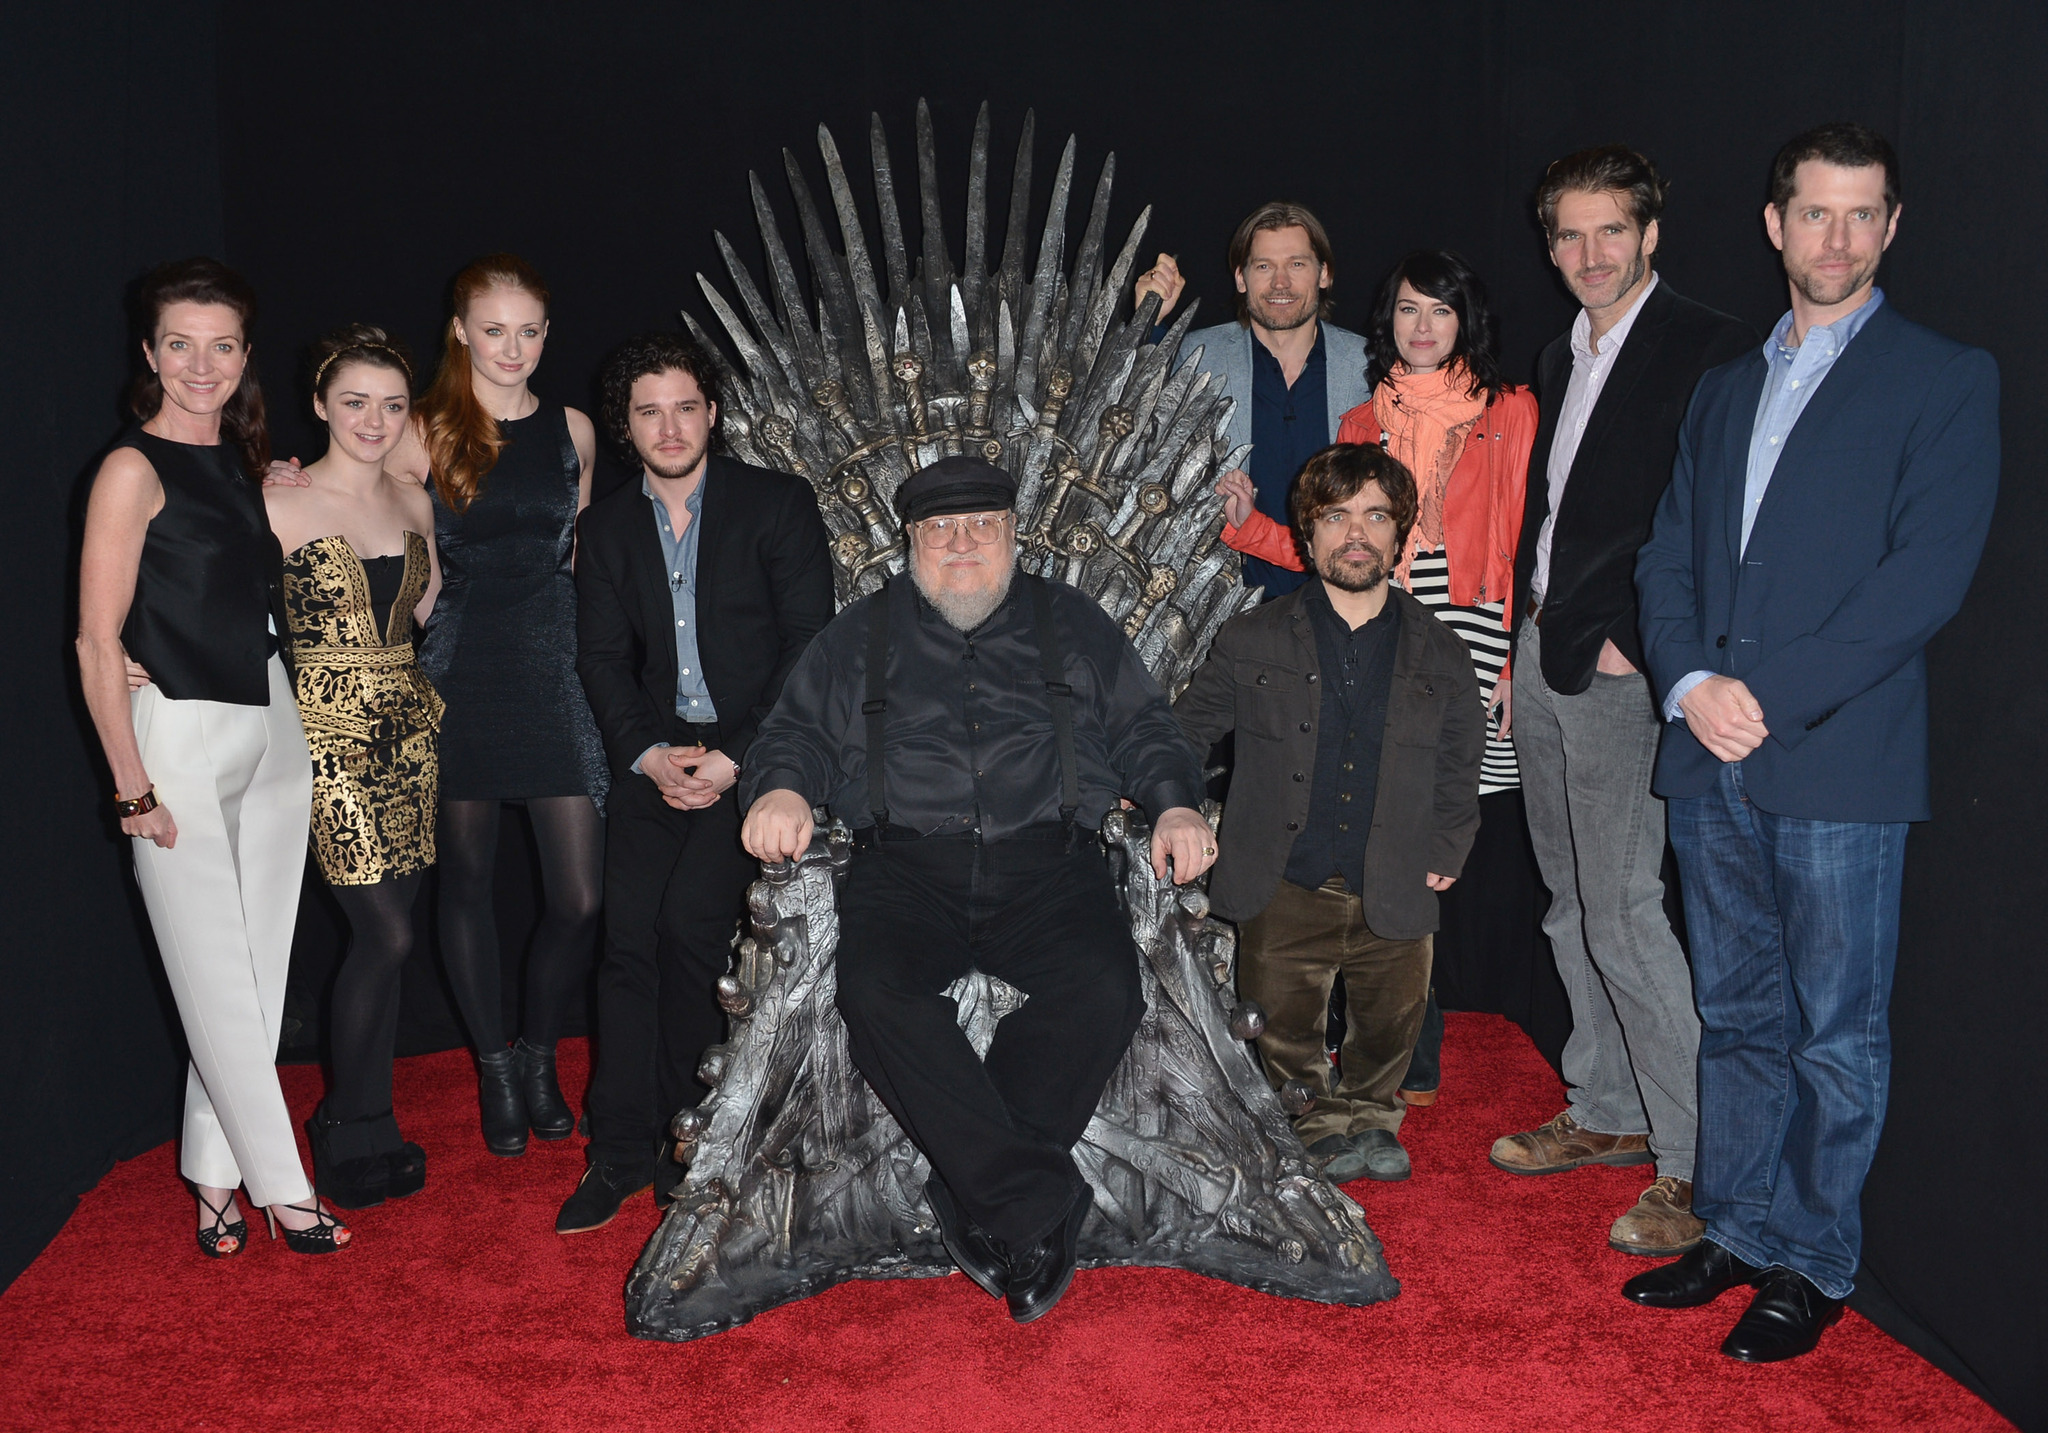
column 498, row 1100
column 350, row 1163
column 547, row 1113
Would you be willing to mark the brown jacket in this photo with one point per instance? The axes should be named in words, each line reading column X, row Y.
column 1261, row 680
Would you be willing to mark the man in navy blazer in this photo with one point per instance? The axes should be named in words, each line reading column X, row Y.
column 1828, row 504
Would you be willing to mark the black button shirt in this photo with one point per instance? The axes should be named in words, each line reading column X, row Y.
column 969, row 744
column 1358, row 675
column 1289, row 426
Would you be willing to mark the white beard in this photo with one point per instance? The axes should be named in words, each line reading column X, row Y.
column 964, row 611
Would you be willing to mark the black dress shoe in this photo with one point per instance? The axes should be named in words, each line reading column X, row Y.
column 596, row 1202
column 547, row 1113
column 972, row 1249
column 1785, row 1319
column 1041, row 1271
column 499, row 1104
column 1706, row 1272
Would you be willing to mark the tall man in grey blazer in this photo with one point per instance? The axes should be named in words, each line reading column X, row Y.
column 1291, row 373
column 1831, row 497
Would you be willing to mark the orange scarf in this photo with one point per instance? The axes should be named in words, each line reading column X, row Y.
column 1424, row 419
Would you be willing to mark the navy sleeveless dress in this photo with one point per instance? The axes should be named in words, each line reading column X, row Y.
column 501, row 642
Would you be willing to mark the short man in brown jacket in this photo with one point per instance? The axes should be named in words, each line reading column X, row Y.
column 1354, row 801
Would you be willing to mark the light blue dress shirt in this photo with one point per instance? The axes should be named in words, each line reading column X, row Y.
column 1791, row 377
column 693, row 697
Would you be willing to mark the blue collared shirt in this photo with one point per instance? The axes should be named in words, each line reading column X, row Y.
column 693, row 698
column 1288, row 426
column 1792, row 374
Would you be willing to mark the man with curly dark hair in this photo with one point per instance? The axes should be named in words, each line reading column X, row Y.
column 697, row 589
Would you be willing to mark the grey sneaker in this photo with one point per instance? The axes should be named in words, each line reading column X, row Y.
column 1341, row 1158
column 1380, row 1155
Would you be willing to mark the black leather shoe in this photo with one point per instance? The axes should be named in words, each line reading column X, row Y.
column 498, row 1101
column 972, row 1249
column 1040, row 1272
column 1785, row 1319
column 1706, row 1272
column 547, row 1113
column 596, row 1202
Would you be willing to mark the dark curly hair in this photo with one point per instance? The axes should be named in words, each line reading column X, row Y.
column 1604, row 169
column 642, row 357
column 1444, row 276
column 201, row 280
column 1336, row 473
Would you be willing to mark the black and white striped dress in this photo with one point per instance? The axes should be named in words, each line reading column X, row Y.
column 1429, row 581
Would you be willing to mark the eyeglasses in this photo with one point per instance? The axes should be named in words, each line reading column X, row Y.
column 983, row 527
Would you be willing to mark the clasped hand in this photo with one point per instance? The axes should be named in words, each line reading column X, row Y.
column 1728, row 721
column 689, row 777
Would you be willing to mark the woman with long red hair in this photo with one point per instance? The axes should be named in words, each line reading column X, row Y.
column 508, row 472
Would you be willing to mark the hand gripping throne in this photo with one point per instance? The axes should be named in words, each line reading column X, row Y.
column 798, row 1177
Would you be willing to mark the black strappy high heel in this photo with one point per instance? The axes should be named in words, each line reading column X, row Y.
column 320, row 1239
column 209, row 1239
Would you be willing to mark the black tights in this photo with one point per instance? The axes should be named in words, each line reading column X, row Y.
column 364, row 1006
column 570, row 835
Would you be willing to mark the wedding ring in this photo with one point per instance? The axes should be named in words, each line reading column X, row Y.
column 1208, row 850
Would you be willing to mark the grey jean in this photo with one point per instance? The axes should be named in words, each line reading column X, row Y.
column 1632, row 1063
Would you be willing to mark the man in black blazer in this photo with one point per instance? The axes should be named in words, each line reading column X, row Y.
column 1613, row 391
column 697, row 589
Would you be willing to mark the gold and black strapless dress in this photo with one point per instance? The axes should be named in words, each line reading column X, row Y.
column 372, row 719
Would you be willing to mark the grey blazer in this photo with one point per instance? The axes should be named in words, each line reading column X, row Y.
column 1227, row 353
column 1261, row 680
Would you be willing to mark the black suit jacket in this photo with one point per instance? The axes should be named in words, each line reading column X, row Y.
column 764, row 589
column 1260, row 680
column 1621, row 469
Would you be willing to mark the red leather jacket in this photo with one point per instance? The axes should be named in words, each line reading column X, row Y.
column 1482, row 509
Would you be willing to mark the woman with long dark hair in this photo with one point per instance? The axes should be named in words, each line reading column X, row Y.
column 1441, row 406
column 359, row 573
column 211, row 777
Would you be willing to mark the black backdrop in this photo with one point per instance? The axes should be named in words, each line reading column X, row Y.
column 349, row 160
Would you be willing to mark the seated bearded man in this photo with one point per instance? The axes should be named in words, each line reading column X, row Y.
column 973, row 725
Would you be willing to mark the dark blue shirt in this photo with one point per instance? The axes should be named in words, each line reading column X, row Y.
column 1358, row 676
column 1288, row 426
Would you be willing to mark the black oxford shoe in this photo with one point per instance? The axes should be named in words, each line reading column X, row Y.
column 1785, row 1319
column 972, row 1250
column 1040, row 1272
column 1706, row 1272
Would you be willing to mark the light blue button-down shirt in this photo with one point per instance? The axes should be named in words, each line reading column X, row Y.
column 1791, row 377
column 693, row 698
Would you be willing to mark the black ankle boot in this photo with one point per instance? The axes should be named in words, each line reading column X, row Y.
column 498, row 1099
column 350, row 1161
column 407, row 1170
column 547, row 1112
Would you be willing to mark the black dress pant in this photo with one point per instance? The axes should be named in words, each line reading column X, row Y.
column 674, row 885
column 1039, row 912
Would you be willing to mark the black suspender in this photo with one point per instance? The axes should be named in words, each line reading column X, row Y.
column 1059, row 694
column 876, row 707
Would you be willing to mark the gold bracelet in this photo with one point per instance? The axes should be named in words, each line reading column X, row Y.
column 135, row 805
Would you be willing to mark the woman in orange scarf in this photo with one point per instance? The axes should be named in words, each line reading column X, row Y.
column 1441, row 406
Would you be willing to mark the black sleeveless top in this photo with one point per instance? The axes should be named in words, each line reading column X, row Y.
column 210, row 579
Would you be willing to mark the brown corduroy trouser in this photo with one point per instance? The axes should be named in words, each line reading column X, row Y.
column 1288, row 955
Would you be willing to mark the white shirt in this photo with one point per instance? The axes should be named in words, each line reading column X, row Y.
column 1589, row 376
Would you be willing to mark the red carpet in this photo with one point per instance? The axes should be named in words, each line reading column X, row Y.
column 460, row 1308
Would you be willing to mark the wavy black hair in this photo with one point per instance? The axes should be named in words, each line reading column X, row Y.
column 1447, row 278
column 643, row 356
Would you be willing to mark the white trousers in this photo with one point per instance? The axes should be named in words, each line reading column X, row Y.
column 239, row 783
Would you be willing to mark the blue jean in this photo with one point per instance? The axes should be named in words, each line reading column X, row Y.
column 1795, row 932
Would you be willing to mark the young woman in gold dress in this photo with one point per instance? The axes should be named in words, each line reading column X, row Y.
column 360, row 574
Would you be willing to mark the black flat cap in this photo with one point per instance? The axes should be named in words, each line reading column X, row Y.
column 955, row 485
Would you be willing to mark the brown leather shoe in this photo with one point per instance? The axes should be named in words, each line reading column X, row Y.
column 1566, row 1144
column 1662, row 1224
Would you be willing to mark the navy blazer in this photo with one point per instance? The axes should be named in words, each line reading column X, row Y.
column 1863, row 547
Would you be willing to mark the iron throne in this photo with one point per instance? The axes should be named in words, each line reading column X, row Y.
column 798, row 1177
